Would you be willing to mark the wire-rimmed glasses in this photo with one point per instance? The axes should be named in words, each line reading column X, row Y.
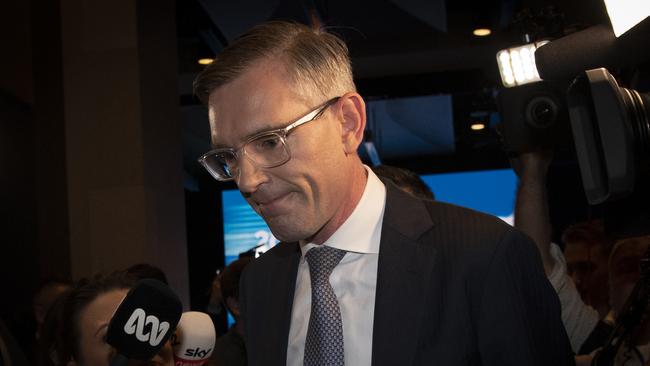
column 266, row 149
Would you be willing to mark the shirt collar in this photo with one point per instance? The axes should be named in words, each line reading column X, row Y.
column 361, row 231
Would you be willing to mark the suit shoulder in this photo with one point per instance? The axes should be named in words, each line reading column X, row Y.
column 277, row 255
column 464, row 233
column 455, row 218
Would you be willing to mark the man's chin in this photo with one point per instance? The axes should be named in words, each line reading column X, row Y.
column 286, row 231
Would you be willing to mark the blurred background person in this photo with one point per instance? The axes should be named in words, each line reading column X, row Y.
column 624, row 274
column 141, row 271
column 46, row 295
column 230, row 349
column 586, row 249
column 74, row 331
column 533, row 218
column 216, row 307
column 406, row 180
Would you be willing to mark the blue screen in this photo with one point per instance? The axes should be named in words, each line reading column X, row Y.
column 489, row 191
column 243, row 228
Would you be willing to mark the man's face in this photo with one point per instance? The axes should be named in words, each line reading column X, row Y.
column 587, row 266
column 300, row 197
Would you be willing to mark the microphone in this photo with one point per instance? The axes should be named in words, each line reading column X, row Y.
column 144, row 321
column 194, row 339
column 594, row 47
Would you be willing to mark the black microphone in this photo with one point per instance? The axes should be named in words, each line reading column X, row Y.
column 144, row 321
column 597, row 46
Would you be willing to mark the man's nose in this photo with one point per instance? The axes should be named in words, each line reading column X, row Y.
column 249, row 176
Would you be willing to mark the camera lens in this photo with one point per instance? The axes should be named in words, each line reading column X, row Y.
column 541, row 112
column 637, row 106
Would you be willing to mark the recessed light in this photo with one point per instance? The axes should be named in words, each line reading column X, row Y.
column 482, row 32
column 205, row 61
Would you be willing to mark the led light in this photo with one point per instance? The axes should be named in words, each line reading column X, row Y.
column 517, row 65
column 482, row 32
column 625, row 14
column 205, row 61
column 503, row 58
column 477, row 126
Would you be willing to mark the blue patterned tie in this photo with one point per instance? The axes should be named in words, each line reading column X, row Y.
column 324, row 343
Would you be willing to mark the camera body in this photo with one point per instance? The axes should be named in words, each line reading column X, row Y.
column 533, row 115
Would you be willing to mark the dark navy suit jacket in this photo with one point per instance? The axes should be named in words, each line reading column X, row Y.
column 454, row 287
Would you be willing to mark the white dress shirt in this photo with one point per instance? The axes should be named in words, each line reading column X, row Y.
column 579, row 319
column 354, row 279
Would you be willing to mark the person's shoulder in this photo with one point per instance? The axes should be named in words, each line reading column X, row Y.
column 460, row 232
column 453, row 217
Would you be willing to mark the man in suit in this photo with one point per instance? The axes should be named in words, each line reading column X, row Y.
column 365, row 274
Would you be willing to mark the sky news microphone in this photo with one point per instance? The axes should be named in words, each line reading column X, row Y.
column 194, row 339
column 144, row 321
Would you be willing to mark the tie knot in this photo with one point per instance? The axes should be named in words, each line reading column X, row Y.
column 322, row 261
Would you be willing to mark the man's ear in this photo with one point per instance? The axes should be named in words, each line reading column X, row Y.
column 353, row 121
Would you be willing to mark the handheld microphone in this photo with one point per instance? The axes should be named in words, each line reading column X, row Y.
column 144, row 321
column 194, row 339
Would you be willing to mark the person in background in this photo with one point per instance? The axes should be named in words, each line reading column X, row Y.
column 405, row 179
column 230, row 349
column 141, row 271
column 587, row 248
column 532, row 217
column 74, row 331
column 216, row 307
column 46, row 295
column 624, row 273
column 365, row 273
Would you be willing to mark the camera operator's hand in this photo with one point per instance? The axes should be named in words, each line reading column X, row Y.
column 532, row 166
column 531, row 207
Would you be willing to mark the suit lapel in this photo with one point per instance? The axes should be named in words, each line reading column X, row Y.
column 281, row 289
column 400, row 278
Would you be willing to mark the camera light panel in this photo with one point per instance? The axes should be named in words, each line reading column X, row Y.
column 517, row 64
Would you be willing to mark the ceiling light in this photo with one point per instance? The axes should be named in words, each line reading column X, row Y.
column 482, row 32
column 517, row 64
column 477, row 126
column 205, row 61
column 625, row 14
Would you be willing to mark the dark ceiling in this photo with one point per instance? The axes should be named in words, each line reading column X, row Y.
column 398, row 47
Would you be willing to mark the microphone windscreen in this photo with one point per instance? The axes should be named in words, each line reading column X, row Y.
column 194, row 339
column 145, row 320
column 594, row 47
column 566, row 57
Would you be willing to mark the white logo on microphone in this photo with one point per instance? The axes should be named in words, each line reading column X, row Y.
column 138, row 320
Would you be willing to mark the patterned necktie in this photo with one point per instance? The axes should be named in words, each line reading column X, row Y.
column 324, row 343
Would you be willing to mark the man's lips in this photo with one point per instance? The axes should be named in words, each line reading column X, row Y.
column 271, row 205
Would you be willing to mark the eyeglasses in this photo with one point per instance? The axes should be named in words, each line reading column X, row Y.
column 266, row 149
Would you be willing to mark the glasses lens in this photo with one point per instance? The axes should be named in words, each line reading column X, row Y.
column 268, row 150
column 220, row 165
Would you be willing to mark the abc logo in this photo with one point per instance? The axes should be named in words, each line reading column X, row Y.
column 137, row 323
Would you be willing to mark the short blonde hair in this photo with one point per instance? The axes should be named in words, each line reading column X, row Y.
column 317, row 62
